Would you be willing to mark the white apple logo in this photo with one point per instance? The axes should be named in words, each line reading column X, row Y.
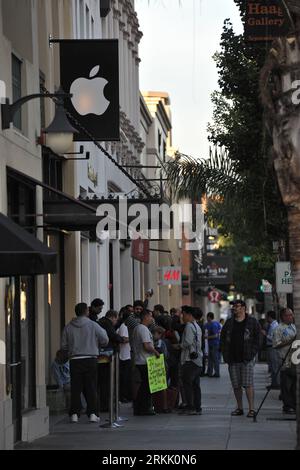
column 88, row 96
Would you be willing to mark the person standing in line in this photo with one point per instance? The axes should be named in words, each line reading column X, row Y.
column 239, row 344
column 143, row 347
column 283, row 338
column 125, row 360
column 96, row 309
column 83, row 338
column 191, row 362
column 213, row 336
column 108, row 323
column 222, row 321
column 272, row 353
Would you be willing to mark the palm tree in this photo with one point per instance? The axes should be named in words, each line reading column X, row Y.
column 216, row 176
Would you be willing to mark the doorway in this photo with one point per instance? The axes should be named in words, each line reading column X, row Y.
column 20, row 337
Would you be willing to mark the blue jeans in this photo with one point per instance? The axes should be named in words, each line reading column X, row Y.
column 213, row 359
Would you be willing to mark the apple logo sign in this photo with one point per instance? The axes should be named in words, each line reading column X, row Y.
column 88, row 96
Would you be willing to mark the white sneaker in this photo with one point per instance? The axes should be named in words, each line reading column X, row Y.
column 74, row 419
column 94, row 418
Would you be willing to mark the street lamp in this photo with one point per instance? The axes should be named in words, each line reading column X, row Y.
column 60, row 132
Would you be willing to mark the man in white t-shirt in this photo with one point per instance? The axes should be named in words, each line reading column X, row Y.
column 125, row 361
column 143, row 347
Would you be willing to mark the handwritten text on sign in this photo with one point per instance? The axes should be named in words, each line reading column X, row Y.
column 157, row 373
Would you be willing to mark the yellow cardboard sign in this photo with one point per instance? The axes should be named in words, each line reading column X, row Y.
column 157, row 373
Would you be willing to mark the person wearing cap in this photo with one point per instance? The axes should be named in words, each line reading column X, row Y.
column 239, row 345
column 96, row 309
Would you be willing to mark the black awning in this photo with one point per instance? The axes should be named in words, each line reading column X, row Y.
column 21, row 253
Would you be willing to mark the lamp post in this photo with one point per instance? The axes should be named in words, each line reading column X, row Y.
column 60, row 133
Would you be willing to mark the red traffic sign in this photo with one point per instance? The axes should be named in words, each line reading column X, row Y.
column 214, row 296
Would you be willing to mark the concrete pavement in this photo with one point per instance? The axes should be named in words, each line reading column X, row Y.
column 214, row 430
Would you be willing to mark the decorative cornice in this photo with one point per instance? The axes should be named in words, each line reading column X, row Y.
column 122, row 25
column 126, row 35
column 117, row 14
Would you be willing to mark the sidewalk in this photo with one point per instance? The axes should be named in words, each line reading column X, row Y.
column 214, row 430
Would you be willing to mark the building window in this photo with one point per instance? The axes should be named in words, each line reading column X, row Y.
column 87, row 23
column 159, row 142
column 42, row 88
column 17, row 89
column 81, row 18
column 93, row 29
column 164, row 151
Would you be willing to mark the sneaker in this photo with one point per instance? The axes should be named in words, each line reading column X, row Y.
column 193, row 413
column 182, row 411
column 182, row 406
column 74, row 418
column 94, row 419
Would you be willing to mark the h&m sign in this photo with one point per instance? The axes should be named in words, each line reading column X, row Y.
column 265, row 20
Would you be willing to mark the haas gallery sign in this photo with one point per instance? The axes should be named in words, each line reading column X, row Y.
column 89, row 70
column 265, row 20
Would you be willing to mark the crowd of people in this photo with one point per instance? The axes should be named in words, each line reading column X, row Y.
column 193, row 345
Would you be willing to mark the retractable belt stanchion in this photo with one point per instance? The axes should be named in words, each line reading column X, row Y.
column 111, row 424
column 118, row 418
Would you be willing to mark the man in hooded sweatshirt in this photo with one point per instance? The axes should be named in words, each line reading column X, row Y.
column 83, row 338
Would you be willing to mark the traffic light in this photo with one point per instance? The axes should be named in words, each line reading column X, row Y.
column 185, row 284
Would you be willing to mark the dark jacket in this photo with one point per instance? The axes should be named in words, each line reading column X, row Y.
column 114, row 338
column 177, row 325
column 251, row 339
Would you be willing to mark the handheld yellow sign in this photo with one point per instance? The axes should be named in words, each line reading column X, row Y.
column 157, row 374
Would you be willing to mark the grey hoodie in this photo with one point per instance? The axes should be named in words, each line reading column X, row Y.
column 83, row 337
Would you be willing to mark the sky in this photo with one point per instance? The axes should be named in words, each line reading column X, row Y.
column 180, row 38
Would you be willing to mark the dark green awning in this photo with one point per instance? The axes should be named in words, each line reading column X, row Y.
column 21, row 253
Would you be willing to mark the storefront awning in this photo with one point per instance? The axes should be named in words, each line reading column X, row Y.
column 64, row 212
column 21, row 253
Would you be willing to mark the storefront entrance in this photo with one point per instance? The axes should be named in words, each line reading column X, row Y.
column 20, row 338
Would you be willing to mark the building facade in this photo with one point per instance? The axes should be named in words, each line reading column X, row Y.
column 35, row 182
column 26, row 61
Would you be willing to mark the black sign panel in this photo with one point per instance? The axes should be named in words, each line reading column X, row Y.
column 214, row 270
column 265, row 20
column 89, row 69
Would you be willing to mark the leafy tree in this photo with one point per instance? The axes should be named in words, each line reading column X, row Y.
column 248, row 205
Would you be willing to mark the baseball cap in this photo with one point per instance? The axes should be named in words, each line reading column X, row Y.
column 240, row 302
